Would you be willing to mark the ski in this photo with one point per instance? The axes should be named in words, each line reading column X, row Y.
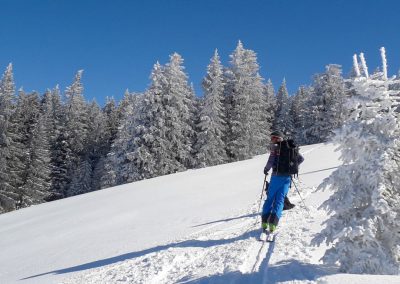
column 267, row 236
column 263, row 236
column 270, row 237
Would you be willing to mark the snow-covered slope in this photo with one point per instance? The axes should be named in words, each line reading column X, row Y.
column 199, row 226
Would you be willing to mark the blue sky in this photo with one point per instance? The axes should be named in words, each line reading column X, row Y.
column 117, row 42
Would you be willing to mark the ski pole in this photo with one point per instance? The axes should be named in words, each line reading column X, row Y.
column 298, row 191
column 262, row 192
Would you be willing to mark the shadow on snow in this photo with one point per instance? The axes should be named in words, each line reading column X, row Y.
column 312, row 172
column 228, row 219
column 289, row 270
column 132, row 255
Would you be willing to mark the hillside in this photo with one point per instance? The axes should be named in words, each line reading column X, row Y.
column 198, row 226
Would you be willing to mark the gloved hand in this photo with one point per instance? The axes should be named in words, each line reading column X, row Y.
column 265, row 171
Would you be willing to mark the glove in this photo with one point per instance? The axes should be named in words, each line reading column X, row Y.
column 265, row 171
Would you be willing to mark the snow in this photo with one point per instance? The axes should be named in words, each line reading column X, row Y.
column 384, row 63
column 198, row 226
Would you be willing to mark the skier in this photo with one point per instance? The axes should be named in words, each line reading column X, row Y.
column 283, row 165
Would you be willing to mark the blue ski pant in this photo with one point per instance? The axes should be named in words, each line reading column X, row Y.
column 278, row 189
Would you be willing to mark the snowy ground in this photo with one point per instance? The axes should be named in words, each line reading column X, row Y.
column 200, row 226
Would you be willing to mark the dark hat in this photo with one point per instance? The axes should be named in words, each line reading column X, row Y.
column 277, row 133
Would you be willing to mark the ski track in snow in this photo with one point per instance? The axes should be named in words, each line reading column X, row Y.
column 226, row 252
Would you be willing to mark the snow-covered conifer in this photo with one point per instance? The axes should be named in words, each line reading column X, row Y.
column 239, row 130
column 300, row 114
column 118, row 166
column 54, row 112
column 248, row 125
column 21, row 124
column 76, row 123
column 364, row 226
column 283, row 118
column 228, row 81
column 28, row 167
column 36, row 180
column 61, row 161
column 210, row 146
column 7, row 97
column 327, row 112
column 123, row 105
column 105, row 135
column 160, row 146
column 269, row 93
column 52, row 109
column 180, row 99
column 260, row 121
column 76, row 115
column 95, row 150
column 112, row 121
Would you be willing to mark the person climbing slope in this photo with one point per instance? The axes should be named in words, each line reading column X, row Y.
column 284, row 160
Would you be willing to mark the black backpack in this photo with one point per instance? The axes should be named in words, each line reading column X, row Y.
column 288, row 158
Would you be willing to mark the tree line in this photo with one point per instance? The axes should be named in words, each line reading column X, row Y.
column 57, row 144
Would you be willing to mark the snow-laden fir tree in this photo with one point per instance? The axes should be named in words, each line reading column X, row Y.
column 76, row 124
column 107, row 129
column 164, row 131
column 61, row 160
column 239, row 122
column 98, row 134
column 46, row 109
column 53, row 112
column 52, row 108
column 157, row 133
column 152, row 153
column 248, row 125
column 123, row 106
column 21, row 124
column 260, row 118
column 283, row 118
column 76, row 115
column 365, row 221
column 194, row 102
column 61, row 152
column 327, row 110
column 300, row 111
column 28, row 166
column 269, row 94
column 179, row 112
column 36, row 180
column 112, row 121
column 228, row 81
column 95, row 148
column 210, row 146
column 118, row 167
column 7, row 97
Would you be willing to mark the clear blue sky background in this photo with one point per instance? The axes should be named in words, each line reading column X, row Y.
column 117, row 42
